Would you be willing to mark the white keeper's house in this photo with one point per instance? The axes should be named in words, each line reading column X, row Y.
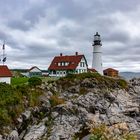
column 5, row 74
column 34, row 72
column 63, row 65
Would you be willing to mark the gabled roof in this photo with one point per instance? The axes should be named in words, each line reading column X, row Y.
column 73, row 61
column 34, row 68
column 110, row 69
column 4, row 71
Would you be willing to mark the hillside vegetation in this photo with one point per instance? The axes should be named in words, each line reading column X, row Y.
column 14, row 100
column 94, row 80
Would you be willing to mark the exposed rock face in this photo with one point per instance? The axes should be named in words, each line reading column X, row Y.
column 87, row 103
column 115, row 108
column 35, row 132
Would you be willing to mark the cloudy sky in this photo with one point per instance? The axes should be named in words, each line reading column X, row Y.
column 37, row 30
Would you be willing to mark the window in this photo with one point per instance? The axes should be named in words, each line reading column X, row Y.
column 82, row 64
column 66, row 63
column 54, row 72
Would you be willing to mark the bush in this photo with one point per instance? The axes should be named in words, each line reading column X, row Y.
column 55, row 100
column 14, row 100
column 34, row 81
column 122, row 83
column 102, row 132
column 83, row 75
column 95, row 79
column 10, row 99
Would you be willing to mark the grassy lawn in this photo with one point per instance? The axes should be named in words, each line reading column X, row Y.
column 19, row 81
column 24, row 80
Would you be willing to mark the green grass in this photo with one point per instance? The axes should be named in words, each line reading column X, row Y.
column 24, row 80
column 12, row 102
column 19, row 81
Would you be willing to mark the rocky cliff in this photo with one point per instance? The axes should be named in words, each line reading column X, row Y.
column 71, row 106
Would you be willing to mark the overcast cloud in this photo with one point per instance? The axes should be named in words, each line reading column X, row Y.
column 37, row 30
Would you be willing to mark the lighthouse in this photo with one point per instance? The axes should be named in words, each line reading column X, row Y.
column 97, row 54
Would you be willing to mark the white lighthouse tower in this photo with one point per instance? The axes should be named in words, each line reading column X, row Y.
column 97, row 54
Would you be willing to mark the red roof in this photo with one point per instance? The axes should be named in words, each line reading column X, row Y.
column 4, row 71
column 92, row 70
column 73, row 61
column 110, row 69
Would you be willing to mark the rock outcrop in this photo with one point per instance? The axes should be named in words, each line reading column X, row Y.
column 87, row 103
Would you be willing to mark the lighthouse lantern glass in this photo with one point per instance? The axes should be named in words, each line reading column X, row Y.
column 96, row 37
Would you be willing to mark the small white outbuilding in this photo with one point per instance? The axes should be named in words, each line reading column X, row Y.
column 5, row 74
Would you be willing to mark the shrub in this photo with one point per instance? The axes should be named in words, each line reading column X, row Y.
column 88, row 75
column 71, row 75
column 55, row 100
column 122, row 83
column 33, row 97
column 95, row 79
column 14, row 100
column 24, row 89
column 34, row 81
column 102, row 132
column 83, row 91
column 83, row 75
column 4, row 117
column 10, row 98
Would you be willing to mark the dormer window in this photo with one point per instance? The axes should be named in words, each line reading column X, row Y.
column 62, row 63
column 66, row 63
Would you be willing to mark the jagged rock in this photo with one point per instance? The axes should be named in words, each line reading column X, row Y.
column 54, row 114
column 88, row 83
column 14, row 135
column 1, row 137
column 35, row 132
column 26, row 115
column 73, row 89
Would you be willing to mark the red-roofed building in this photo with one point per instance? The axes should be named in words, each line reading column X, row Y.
column 111, row 72
column 92, row 70
column 5, row 74
column 62, row 65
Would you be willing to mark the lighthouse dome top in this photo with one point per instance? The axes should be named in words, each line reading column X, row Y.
column 97, row 36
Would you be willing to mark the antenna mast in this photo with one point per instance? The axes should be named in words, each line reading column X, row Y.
column 3, row 53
